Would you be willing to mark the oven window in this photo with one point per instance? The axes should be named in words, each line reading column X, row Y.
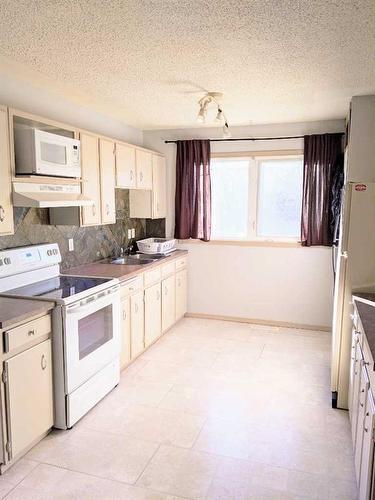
column 94, row 331
column 53, row 153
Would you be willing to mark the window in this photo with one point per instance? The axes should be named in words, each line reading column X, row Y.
column 257, row 198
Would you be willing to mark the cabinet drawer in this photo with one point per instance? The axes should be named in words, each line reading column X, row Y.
column 131, row 286
column 167, row 269
column 153, row 276
column 181, row 263
column 27, row 333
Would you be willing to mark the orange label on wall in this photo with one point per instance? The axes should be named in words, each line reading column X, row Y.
column 360, row 187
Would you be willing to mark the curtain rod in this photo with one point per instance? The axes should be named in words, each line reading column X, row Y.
column 252, row 138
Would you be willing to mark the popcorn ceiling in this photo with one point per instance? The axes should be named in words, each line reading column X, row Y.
column 148, row 62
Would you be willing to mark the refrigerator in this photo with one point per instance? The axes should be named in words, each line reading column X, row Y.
column 354, row 271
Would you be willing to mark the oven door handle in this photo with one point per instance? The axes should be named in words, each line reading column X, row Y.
column 82, row 308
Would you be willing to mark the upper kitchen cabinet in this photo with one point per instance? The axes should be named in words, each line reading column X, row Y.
column 107, row 180
column 125, row 166
column 360, row 134
column 144, row 169
column 6, row 208
column 91, row 215
column 151, row 204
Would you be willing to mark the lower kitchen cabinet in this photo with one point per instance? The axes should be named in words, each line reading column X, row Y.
column 152, row 313
column 137, row 328
column 125, row 355
column 28, row 396
column 362, row 409
column 168, row 304
column 181, row 294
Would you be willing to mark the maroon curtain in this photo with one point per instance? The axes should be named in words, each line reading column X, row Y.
column 320, row 155
column 193, row 190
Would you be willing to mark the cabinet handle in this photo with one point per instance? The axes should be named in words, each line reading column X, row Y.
column 107, row 208
column 43, row 362
column 2, row 214
column 141, row 176
column 94, row 210
column 124, row 315
column 31, row 332
column 157, row 295
column 131, row 175
column 136, row 307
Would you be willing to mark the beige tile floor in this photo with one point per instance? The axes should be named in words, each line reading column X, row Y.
column 214, row 410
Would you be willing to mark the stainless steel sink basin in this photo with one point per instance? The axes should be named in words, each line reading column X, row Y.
column 131, row 260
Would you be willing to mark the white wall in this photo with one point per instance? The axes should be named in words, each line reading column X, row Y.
column 292, row 285
column 22, row 95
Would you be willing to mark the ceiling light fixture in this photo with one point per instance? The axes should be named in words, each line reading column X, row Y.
column 204, row 102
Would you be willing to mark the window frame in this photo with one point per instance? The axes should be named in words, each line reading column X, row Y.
column 254, row 159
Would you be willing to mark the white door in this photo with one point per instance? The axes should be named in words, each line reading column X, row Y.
column 159, row 187
column 137, row 327
column 91, row 215
column 152, row 313
column 91, row 337
column 367, row 462
column 29, row 396
column 125, row 332
column 144, row 169
column 181, row 294
column 125, row 166
column 6, row 208
column 107, row 180
column 168, row 302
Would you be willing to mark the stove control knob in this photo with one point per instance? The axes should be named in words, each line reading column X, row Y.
column 7, row 261
column 1, row 262
column 49, row 253
column 54, row 251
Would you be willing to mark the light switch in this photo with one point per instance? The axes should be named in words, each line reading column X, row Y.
column 71, row 244
column 129, row 234
column 133, row 232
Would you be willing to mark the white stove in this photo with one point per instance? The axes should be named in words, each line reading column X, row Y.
column 86, row 327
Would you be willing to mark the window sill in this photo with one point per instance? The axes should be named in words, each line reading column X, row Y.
column 246, row 243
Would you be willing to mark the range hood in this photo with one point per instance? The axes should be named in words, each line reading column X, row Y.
column 27, row 194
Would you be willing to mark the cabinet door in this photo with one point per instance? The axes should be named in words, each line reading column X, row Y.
column 29, row 396
column 352, row 369
column 355, row 396
column 364, row 385
column 367, row 460
column 144, row 169
column 125, row 166
column 107, row 180
column 181, row 294
column 125, row 332
column 159, row 187
column 152, row 313
column 137, row 324
column 6, row 207
column 91, row 216
column 168, row 302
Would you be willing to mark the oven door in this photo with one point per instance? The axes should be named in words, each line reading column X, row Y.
column 91, row 336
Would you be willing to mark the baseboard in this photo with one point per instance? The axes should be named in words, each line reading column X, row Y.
column 264, row 322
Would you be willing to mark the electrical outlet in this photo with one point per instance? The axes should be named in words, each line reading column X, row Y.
column 71, row 244
column 129, row 234
column 133, row 232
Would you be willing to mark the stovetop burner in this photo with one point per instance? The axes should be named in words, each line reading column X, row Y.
column 60, row 287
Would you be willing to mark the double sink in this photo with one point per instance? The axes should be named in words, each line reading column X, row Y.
column 133, row 260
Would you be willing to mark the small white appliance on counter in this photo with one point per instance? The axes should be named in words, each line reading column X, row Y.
column 86, row 329
column 41, row 153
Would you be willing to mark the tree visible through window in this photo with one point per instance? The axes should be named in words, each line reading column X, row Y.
column 256, row 198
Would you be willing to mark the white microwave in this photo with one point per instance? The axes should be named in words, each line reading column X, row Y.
column 42, row 153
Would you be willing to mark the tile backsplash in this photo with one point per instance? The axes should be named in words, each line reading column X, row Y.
column 90, row 243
